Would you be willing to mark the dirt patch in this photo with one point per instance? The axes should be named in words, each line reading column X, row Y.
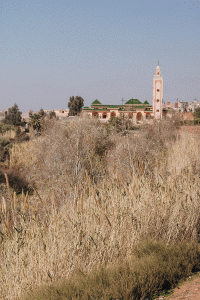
column 189, row 289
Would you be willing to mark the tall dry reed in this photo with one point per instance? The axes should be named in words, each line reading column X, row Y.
column 92, row 203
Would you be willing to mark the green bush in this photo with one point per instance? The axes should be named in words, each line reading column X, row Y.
column 17, row 179
column 5, row 146
column 6, row 127
column 197, row 113
column 13, row 116
column 190, row 122
column 154, row 267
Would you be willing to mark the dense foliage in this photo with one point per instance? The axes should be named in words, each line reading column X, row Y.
column 197, row 113
column 36, row 119
column 75, row 105
column 13, row 116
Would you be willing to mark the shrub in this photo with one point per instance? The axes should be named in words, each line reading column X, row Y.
column 75, row 105
column 6, row 127
column 190, row 122
column 5, row 146
column 153, row 267
column 80, row 147
column 17, row 179
column 13, row 116
column 21, row 136
column 197, row 113
column 121, row 124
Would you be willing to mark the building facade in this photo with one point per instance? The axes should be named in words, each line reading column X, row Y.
column 133, row 109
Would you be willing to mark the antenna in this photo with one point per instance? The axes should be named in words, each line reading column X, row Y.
column 158, row 63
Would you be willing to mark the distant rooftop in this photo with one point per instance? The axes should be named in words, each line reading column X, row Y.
column 96, row 102
column 146, row 102
column 133, row 101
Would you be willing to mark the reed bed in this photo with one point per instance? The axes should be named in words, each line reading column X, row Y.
column 95, row 195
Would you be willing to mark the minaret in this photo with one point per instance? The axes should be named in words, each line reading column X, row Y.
column 157, row 93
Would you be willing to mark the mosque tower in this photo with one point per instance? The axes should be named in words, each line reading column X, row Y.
column 157, row 93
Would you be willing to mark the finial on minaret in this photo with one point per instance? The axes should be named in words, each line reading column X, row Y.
column 158, row 63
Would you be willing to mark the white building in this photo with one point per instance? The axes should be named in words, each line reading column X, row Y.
column 186, row 106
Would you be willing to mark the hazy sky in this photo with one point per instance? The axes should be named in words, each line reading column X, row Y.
column 105, row 49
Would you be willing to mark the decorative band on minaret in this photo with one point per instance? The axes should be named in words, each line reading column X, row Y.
column 157, row 93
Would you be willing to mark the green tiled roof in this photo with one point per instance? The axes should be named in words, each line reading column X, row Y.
column 95, row 109
column 108, row 106
column 130, row 105
column 96, row 102
column 113, row 106
column 119, row 107
column 133, row 101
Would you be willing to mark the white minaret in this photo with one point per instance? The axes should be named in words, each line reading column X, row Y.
column 157, row 93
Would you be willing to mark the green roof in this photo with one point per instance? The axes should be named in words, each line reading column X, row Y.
column 109, row 106
column 133, row 101
column 146, row 102
column 113, row 106
column 95, row 109
column 96, row 102
column 142, row 107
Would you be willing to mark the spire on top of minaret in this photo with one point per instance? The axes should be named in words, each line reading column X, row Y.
column 158, row 66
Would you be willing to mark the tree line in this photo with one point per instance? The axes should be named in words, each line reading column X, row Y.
column 14, row 116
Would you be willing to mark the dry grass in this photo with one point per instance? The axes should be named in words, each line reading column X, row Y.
column 95, row 196
column 151, row 268
column 10, row 134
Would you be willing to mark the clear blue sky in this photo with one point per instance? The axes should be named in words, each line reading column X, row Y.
column 104, row 49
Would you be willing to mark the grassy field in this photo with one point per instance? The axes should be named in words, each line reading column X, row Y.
column 105, row 214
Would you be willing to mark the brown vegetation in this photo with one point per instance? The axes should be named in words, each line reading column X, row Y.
column 98, row 194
